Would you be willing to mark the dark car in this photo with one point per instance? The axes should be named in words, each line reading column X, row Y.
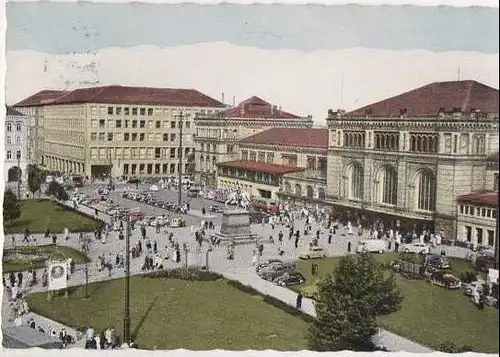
column 276, row 273
column 266, row 264
column 291, row 279
column 133, row 180
column 437, row 261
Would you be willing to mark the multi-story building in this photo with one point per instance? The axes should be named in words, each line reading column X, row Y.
column 217, row 135
column 406, row 159
column 16, row 146
column 33, row 107
column 279, row 163
column 119, row 130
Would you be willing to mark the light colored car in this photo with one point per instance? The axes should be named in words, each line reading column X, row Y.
column 371, row 246
column 177, row 222
column 417, row 248
column 313, row 253
column 154, row 188
column 471, row 288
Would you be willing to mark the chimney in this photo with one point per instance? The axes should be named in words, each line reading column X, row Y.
column 243, row 109
column 234, row 101
column 272, row 109
column 222, row 101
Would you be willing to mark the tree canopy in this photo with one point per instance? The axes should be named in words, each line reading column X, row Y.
column 11, row 207
column 348, row 303
column 57, row 190
column 35, row 177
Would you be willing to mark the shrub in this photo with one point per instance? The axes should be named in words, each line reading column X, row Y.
column 192, row 274
column 468, row 277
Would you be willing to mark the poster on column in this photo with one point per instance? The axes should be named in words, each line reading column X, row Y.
column 57, row 276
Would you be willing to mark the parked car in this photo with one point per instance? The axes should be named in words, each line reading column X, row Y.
column 417, row 248
column 445, row 280
column 273, row 266
column 177, row 222
column 266, row 263
column 485, row 262
column 277, row 273
column 372, row 246
column 437, row 261
column 471, row 288
column 294, row 278
column 215, row 209
column 313, row 253
column 154, row 188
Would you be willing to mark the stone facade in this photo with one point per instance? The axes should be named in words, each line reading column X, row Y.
column 16, row 146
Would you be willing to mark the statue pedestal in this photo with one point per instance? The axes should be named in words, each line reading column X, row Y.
column 236, row 228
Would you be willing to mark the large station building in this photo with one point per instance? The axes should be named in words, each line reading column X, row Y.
column 405, row 160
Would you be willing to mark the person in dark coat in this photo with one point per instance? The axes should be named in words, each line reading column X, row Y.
column 348, row 247
column 299, row 301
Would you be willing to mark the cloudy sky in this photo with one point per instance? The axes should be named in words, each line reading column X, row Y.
column 306, row 58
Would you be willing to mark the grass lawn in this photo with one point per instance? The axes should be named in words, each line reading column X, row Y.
column 40, row 255
column 430, row 315
column 172, row 313
column 38, row 215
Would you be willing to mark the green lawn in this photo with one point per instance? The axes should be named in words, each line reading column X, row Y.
column 38, row 215
column 47, row 251
column 430, row 315
column 172, row 314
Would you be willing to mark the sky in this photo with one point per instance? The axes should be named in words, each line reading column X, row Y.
column 306, row 58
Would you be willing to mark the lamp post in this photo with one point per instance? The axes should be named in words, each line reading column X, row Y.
column 496, row 243
column 85, row 249
column 206, row 257
column 19, row 176
column 126, row 318
column 179, row 198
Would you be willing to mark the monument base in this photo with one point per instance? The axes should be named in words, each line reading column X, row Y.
column 235, row 228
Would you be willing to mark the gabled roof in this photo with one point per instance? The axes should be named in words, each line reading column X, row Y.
column 256, row 107
column 134, row 96
column 12, row 111
column 482, row 198
column 295, row 137
column 262, row 167
column 40, row 98
column 433, row 98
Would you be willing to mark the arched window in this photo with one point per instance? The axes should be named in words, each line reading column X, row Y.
column 356, row 181
column 412, row 143
column 426, row 193
column 321, row 193
column 310, row 191
column 389, row 180
column 298, row 190
column 288, row 188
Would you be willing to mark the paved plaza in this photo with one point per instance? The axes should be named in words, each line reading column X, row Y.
column 240, row 268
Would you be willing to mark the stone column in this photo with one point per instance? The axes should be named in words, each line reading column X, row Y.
column 403, row 180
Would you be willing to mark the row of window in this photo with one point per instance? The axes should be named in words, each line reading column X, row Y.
column 9, row 140
column 478, row 211
column 151, row 124
column 10, row 126
column 251, row 176
column 260, row 156
column 172, row 137
column 137, row 153
column 479, row 236
column 150, row 169
column 141, row 111
column 9, row 154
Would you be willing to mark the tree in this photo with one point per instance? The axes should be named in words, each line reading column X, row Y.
column 348, row 303
column 57, row 191
column 11, row 207
column 35, row 177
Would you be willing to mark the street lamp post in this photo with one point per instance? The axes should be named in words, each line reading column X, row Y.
column 126, row 319
column 110, row 169
column 19, row 177
column 85, row 248
column 206, row 257
column 179, row 198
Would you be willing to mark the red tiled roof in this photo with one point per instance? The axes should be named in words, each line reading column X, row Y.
column 255, row 107
column 40, row 98
column 429, row 100
column 483, row 198
column 296, row 137
column 12, row 111
column 135, row 95
column 493, row 157
column 261, row 167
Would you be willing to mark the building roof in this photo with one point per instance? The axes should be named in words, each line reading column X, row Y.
column 129, row 96
column 493, row 157
column 256, row 107
column 433, row 98
column 12, row 111
column 261, row 167
column 481, row 198
column 296, row 137
column 40, row 98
